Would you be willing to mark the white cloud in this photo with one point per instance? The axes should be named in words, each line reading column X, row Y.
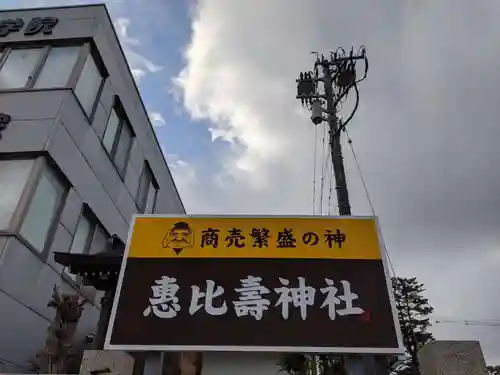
column 121, row 25
column 156, row 118
column 137, row 60
column 138, row 74
column 139, row 64
column 187, row 181
column 183, row 172
column 412, row 133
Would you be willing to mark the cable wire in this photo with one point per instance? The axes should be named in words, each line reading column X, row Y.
column 330, row 192
column 326, row 164
column 322, row 172
column 365, row 187
column 328, row 177
column 484, row 323
column 349, row 142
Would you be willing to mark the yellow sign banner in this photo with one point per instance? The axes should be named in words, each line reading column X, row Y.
column 254, row 237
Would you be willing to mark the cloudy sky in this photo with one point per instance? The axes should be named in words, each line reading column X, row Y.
column 218, row 77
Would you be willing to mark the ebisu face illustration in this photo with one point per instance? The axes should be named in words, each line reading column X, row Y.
column 179, row 237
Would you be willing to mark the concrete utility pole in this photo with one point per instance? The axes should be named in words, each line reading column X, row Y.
column 338, row 77
column 335, row 146
column 337, row 73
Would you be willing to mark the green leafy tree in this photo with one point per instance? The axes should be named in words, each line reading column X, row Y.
column 413, row 312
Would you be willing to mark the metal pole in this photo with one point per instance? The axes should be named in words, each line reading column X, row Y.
column 104, row 316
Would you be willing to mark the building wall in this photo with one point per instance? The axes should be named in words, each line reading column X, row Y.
column 452, row 358
column 52, row 122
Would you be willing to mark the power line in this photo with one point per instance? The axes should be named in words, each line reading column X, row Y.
column 484, row 323
column 349, row 142
column 322, row 172
column 327, row 177
column 330, row 192
column 365, row 187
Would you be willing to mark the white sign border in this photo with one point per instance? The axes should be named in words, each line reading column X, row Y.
column 287, row 349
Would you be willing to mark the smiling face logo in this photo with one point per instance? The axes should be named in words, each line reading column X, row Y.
column 179, row 237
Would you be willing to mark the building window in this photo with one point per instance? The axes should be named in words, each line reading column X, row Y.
column 19, row 67
column 58, row 66
column 42, row 67
column 90, row 236
column 82, row 235
column 43, row 209
column 88, row 85
column 51, row 67
column 147, row 192
column 13, row 177
column 99, row 240
column 117, row 139
column 111, row 130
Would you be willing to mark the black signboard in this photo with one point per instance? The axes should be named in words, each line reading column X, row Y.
column 316, row 284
